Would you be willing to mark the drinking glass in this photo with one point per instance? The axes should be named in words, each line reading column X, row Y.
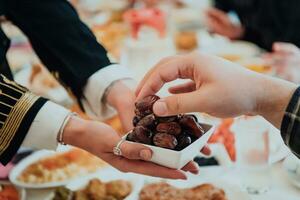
column 252, row 145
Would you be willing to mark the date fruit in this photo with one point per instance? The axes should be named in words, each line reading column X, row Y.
column 184, row 140
column 165, row 140
column 172, row 128
column 142, row 135
column 148, row 121
column 135, row 120
column 167, row 119
column 144, row 106
column 172, row 132
column 188, row 122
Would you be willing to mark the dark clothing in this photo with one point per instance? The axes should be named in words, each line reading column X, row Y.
column 266, row 21
column 63, row 43
column 18, row 108
column 60, row 39
column 290, row 128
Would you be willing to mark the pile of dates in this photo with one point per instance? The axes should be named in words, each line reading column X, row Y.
column 173, row 132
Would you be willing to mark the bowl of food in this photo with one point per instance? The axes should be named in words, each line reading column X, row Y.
column 174, row 140
column 108, row 184
column 10, row 192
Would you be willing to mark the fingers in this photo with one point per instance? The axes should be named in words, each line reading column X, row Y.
column 143, row 167
column 163, row 61
column 175, row 104
column 206, row 150
column 216, row 14
column 135, row 151
column 169, row 71
column 191, row 167
column 283, row 47
column 183, row 88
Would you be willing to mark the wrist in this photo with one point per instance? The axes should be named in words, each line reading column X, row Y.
column 119, row 95
column 273, row 98
column 73, row 131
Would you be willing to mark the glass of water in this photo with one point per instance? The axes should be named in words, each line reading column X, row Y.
column 252, row 146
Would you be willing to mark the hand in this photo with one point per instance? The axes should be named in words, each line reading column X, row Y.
column 219, row 22
column 122, row 98
column 285, row 58
column 100, row 139
column 217, row 87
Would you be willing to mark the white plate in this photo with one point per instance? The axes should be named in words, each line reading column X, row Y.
column 233, row 192
column 241, row 49
column 20, row 167
column 22, row 192
column 291, row 166
column 110, row 174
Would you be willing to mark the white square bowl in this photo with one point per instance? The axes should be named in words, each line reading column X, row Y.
column 178, row 159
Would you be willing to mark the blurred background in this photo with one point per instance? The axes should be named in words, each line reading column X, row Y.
column 137, row 34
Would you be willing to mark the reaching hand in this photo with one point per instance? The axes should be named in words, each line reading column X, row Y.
column 122, row 98
column 285, row 58
column 219, row 22
column 100, row 139
column 217, row 87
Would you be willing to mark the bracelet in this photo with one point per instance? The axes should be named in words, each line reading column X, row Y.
column 60, row 135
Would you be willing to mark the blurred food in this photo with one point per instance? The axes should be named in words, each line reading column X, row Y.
column 62, row 193
column 118, row 189
column 186, row 40
column 259, row 68
column 225, row 136
column 111, row 36
column 41, row 76
column 164, row 191
column 61, row 167
column 96, row 190
column 174, row 132
column 8, row 192
column 231, row 57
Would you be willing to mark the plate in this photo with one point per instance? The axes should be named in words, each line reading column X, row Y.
column 21, row 191
column 19, row 168
column 107, row 175
column 291, row 166
column 233, row 192
column 235, row 50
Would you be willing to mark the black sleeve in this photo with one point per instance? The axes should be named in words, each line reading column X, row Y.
column 273, row 21
column 223, row 5
column 290, row 127
column 18, row 108
column 62, row 41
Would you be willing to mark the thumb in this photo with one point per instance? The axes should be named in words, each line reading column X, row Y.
column 176, row 104
column 135, row 151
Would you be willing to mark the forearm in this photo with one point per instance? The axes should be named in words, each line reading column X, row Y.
column 273, row 98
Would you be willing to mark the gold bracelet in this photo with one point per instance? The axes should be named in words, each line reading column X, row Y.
column 60, row 135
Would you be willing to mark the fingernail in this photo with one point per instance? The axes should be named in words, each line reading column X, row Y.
column 160, row 108
column 195, row 172
column 145, row 154
column 184, row 177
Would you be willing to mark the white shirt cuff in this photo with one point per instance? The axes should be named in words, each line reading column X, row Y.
column 96, row 87
column 43, row 131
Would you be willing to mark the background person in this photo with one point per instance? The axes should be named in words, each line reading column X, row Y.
column 262, row 22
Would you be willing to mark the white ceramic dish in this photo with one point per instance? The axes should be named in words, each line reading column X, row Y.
column 232, row 191
column 21, row 191
column 291, row 166
column 107, row 175
column 20, row 167
column 178, row 159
